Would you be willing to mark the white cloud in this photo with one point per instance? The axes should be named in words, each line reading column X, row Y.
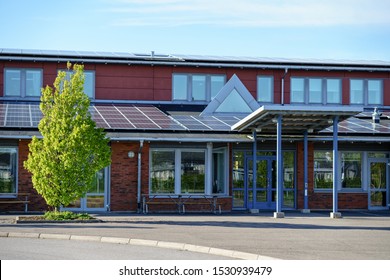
column 252, row 13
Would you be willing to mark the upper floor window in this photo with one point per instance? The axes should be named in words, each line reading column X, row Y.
column 265, row 89
column 366, row 92
column 316, row 90
column 22, row 83
column 196, row 87
column 89, row 82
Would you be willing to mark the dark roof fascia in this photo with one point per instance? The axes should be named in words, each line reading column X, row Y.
column 198, row 61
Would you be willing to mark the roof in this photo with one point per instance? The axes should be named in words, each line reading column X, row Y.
column 153, row 58
column 136, row 117
column 295, row 119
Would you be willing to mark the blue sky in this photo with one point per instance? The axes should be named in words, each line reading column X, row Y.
column 323, row 29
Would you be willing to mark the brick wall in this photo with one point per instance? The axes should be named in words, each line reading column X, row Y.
column 124, row 175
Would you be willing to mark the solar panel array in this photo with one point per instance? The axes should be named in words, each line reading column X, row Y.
column 115, row 117
column 148, row 117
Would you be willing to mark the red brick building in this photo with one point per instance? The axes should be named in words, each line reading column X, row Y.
column 185, row 131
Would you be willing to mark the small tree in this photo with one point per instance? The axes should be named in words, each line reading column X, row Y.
column 64, row 162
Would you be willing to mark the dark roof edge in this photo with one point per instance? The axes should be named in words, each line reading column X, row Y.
column 188, row 60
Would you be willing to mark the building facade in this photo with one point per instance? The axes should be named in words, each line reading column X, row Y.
column 197, row 133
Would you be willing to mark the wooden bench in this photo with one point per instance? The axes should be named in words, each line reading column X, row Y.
column 169, row 200
column 181, row 202
column 18, row 198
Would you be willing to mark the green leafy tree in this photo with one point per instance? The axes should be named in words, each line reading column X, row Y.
column 63, row 163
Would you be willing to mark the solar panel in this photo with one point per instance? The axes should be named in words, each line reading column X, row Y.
column 18, row 115
column 191, row 123
column 114, row 118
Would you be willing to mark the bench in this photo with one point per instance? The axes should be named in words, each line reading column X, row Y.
column 18, row 198
column 181, row 202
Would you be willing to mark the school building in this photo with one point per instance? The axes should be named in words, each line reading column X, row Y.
column 211, row 133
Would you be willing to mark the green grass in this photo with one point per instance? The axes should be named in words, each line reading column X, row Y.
column 66, row 215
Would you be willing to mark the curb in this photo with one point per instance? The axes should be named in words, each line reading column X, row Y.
column 141, row 242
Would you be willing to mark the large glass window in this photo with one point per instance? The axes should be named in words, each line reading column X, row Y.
column 89, row 82
column 316, row 90
column 183, row 171
column 356, row 92
column 8, row 171
column 333, row 91
column 22, row 82
column 366, row 92
column 238, row 179
column 323, row 170
column 297, row 90
column 351, row 170
column 374, row 92
column 179, row 87
column 219, row 171
column 196, row 87
column 265, row 89
column 217, row 82
column 193, row 172
column 162, row 172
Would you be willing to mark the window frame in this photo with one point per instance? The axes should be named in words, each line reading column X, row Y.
column 68, row 72
column 365, row 90
column 16, row 175
column 272, row 88
column 324, row 90
column 22, row 83
column 363, row 175
column 208, row 190
column 189, row 87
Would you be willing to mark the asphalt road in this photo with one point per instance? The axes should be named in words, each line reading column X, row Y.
column 46, row 249
column 357, row 236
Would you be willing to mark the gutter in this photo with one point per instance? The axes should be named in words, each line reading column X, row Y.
column 196, row 64
column 141, row 144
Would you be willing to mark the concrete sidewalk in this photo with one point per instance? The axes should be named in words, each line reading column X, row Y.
column 358, row 235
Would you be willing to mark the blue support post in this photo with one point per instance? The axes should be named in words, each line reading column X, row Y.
column 305, row 174
column 335, row 213
column 279, row 169
column 254, row 172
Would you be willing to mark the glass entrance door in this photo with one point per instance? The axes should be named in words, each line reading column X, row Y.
column 263, row 195
column 96, row 197
column 378, row 191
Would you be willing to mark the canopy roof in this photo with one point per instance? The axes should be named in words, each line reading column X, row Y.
column 295, row 119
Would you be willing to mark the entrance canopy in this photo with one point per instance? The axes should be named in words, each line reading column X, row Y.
column 296, row 119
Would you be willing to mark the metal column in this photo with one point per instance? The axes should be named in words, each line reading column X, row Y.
column 305, row 175
column 335, row 213
column 254, row 172
column 279, row 169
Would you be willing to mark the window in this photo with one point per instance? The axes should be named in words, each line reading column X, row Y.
column 183, row 171
column 219, row 171
column 196, row 87
column 22, row 82
column 89, row 82
column 265, row 89
column 193, row 172
column 8, row 171
column 333, row 91
column 366, row 92
column 297, row 90
column 323, row 170
column 351, row 170
column 316, row 90
column 162, row 173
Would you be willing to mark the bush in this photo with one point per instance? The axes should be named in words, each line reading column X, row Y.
column 66, row 215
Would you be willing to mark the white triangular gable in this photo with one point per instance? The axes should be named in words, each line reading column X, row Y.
column 233, row 97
